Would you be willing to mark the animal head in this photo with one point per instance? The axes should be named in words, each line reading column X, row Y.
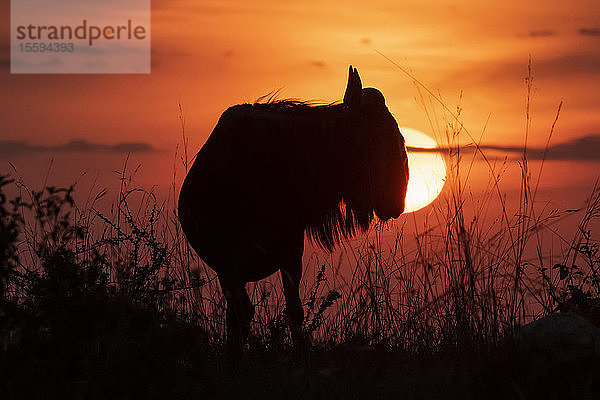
column 381, row 168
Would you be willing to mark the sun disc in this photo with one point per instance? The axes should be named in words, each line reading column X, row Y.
column 427, row 171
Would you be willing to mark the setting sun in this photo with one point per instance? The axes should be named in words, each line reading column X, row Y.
column 314, row 199
column 427, row 170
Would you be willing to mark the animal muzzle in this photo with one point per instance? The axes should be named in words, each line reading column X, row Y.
column 392, row 201
column 393, row 209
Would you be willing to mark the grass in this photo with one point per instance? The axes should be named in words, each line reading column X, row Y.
column 112, row 303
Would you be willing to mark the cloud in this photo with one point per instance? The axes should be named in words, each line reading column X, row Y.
column 586, row 148
column 542, row 33
column 318, row 64
column 186, row 7
column 576, row 62
column 589, row 31
column 161, row 54
column 12, row 147
column 572, row 63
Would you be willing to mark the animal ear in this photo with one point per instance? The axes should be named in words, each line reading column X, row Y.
column 353, row 89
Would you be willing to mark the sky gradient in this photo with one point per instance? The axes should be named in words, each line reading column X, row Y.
column 209, row 55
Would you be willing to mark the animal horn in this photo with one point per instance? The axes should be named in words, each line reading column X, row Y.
column 348, row 92
column 357, row 81
column 353, row 88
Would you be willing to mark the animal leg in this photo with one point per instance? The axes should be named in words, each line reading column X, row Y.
column 240, row 312
column 291, row 275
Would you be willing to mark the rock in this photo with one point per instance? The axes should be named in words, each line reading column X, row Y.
column 563, row 335
column 560, row 357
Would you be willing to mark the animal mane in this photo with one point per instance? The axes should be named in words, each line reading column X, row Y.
column 339, row 223
column 344, row 219
column 272, row 102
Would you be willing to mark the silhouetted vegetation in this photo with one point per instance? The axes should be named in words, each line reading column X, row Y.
column 114, row 304
column 68, row 331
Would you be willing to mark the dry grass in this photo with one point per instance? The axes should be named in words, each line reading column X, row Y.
column 397, row 299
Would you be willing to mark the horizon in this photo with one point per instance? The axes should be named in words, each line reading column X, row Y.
column 159, row 241
column 458, row 73
column 464, row 52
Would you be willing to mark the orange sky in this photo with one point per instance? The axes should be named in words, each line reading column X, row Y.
column 212, row 54
column 209, row 55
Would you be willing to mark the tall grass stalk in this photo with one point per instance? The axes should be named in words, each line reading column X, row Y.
column 463, row 276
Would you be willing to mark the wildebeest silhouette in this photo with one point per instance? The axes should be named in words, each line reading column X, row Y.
column 273, row 170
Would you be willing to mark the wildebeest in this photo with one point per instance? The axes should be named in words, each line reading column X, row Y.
column 273, row 170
